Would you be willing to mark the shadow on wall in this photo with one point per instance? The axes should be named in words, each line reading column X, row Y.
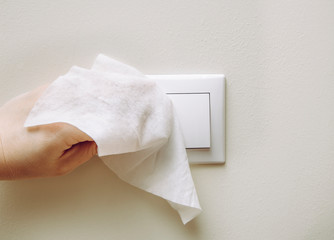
column 90, row 196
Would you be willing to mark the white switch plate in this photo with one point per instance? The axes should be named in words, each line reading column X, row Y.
column 196, row 88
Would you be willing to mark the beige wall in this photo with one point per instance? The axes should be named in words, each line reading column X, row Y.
column 278, row 57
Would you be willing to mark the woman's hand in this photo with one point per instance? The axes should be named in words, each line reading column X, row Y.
column 41, row 151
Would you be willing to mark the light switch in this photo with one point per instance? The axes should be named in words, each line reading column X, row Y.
column 193, row 111
column 199, row 100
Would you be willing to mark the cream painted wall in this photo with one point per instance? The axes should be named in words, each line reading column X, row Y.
column 278, row 57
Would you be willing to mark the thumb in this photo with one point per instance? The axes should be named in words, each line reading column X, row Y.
column 70, row 134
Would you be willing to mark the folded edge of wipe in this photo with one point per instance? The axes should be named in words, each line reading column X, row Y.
column 133, row 124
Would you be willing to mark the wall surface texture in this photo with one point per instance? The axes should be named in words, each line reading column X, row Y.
column 278, row 58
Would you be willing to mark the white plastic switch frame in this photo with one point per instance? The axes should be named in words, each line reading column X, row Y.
column 194, row 86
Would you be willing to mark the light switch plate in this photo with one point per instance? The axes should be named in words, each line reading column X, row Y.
column 190, row 94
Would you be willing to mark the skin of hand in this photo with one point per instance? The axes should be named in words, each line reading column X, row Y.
column 42, row 151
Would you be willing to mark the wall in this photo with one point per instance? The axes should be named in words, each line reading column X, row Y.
column 278, row 57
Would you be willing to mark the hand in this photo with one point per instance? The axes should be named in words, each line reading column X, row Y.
column 41, row 151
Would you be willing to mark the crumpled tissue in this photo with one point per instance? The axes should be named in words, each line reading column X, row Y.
column 133, row 124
